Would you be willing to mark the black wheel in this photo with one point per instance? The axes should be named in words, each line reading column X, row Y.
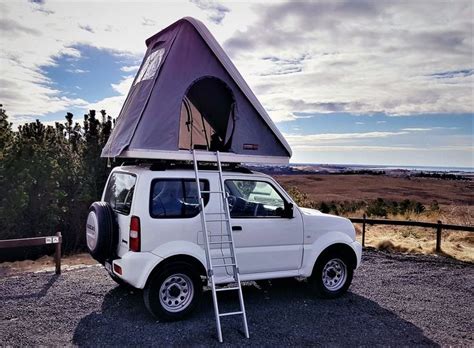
column 101, row 231
column 332, row 275
column 173, row 292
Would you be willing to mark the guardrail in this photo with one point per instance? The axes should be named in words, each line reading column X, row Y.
column 439, row 226
column 26, row 242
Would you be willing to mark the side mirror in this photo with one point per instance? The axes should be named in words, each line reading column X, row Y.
column 288, row 212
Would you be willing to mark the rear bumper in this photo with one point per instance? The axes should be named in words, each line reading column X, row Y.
column 357, row 247
column 136, row 267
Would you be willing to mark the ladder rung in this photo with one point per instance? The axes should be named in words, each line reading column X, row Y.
column 222, row 257
column 217, row 220
column 226, row 265
column 230, row 313
column 212, row 191
column 217, row 235
column 220, row 213
column 222, row 241
column 228, row 289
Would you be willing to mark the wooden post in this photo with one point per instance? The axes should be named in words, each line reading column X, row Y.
column 438, row 237
column 363, row 231
column 57, row 253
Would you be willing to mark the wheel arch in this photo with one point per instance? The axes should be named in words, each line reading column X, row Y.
column 342, row 248
column 193, row 262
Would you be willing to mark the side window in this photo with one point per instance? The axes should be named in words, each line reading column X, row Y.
column 176, row 198
column 151, row 65
column 249, row 198
column 119, row 192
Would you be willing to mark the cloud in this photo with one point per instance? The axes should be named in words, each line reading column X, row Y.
column 361, row 57
column 417, row 129
column 130, row 68
column 123, row 86
column 86, row 27
column 215, row 11
column 11, row 27
column 453, row 74
column 25, row 91
column 113, row 105
column 300, row 58
column 148, row 22
column 77, row 71
column 356, row 148
column 304, row 140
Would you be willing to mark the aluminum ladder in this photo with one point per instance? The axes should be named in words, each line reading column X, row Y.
column 227, row 261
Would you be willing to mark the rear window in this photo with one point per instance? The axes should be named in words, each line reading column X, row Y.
column 119, row 192
column 176, row 198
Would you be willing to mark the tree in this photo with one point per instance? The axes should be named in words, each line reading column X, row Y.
column 49, row 176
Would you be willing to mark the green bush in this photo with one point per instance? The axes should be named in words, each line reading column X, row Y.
column 49, row 175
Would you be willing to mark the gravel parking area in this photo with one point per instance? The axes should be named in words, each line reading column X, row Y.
column 395, row 300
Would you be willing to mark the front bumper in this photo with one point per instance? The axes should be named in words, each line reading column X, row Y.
column 357, row 247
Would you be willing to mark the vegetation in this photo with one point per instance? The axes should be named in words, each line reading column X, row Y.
column 49, row 175
column 442, row 176
column 377, row 208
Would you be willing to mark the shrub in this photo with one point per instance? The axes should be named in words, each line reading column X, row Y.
column 377, row 208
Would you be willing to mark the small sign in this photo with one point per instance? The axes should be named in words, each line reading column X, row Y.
column 49, row 240
column 55, row 240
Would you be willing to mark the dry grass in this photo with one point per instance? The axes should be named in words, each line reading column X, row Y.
column 341, row 188
column 407, row 239
column 455, row 198
column 46, row 263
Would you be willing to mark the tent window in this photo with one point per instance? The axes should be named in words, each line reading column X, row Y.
column 207, row 116
column 151, row 66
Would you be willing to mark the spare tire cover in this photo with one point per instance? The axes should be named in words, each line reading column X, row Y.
column 101, row 231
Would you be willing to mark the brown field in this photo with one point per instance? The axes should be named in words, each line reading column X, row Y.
column 455, row 198
column 368, row 187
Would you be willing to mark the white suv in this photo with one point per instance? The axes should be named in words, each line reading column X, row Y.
column 147, row 232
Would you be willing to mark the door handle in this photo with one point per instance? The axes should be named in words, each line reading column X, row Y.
column 236, row 228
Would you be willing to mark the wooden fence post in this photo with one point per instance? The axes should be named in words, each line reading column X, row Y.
column 438, row 236
column 57, row 253
column 363, row 231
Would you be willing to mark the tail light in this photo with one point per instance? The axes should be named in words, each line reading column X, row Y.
column 134, row 237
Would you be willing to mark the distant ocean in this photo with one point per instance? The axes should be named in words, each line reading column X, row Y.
column 390, row 167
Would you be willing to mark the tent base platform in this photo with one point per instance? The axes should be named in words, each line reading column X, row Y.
column 207, row 156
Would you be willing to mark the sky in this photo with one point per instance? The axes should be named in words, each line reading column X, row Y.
column 347, row 82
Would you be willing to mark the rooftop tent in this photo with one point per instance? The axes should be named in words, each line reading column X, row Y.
column 188, row 95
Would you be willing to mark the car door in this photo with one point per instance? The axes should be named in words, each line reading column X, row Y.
column 265, row 240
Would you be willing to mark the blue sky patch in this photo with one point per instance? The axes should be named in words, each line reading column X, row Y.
column 90, row 76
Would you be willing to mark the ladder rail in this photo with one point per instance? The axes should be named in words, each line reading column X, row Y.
column 230, row 242
column 210, row 270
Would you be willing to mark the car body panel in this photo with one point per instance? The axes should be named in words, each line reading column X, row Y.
column 266, row 247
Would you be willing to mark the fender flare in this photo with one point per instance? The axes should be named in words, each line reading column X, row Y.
column 176, row 249
column 321, row 244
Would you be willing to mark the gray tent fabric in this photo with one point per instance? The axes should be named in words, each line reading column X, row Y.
column 187, row 87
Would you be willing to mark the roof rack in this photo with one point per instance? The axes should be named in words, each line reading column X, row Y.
column 161, row 165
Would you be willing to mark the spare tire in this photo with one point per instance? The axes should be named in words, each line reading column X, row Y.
column 101, row 231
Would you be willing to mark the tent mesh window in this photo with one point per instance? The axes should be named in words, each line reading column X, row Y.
column 207, row 116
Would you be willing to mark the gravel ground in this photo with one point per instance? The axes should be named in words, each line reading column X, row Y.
column 395, row 300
